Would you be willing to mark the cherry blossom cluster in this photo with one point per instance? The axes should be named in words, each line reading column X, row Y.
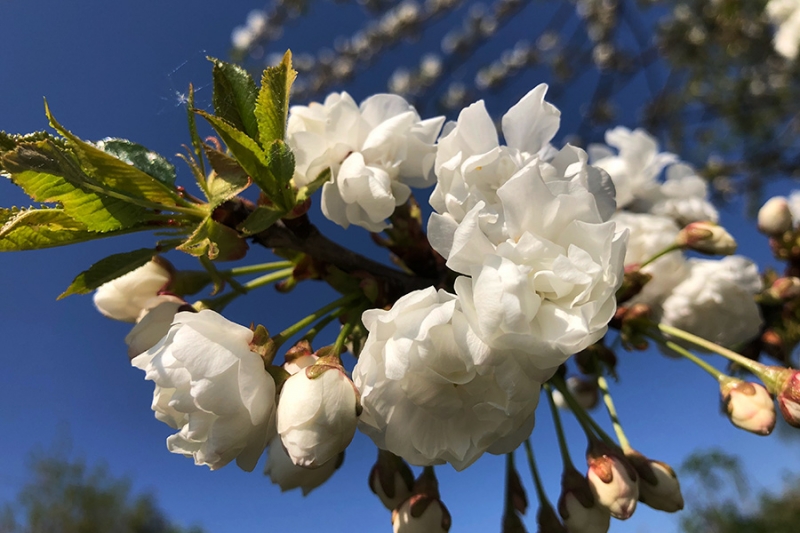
column 712, row 298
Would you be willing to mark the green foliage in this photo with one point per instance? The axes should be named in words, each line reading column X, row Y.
column 32, row 229
column 117, row 174
column 235, row 96
column 259, row 220
column 228, row 178
column 65, row 496
column 272, row 110
column 149, row 162
column 215, row 241
column 50, row 174
column 108, row 269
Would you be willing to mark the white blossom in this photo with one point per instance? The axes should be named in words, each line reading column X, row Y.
column 682, row 197
column 715, row 300
column 212, row 389
column 785, row 14
column 287, row 475
column 317, row 414
column 647, row 236
column 431, row 391
column 374, row 151
column 127, row 296
column 153, row 323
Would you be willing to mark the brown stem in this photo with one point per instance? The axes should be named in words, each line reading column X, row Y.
column 301, row 235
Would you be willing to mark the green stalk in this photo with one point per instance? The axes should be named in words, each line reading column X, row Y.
column 338, row 346
column 219, row 303
column 284, row 335
column 680, row 350
column 665, row 251
column 256, row 269
column 590, row 427
column 535, row 473
column 320, row 325
column 754, row 367
column 602, row 384
column 562, row 441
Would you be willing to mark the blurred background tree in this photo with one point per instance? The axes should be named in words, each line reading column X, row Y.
column 702, row 76
column 65, row 495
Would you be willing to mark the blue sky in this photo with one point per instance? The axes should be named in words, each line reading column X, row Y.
column 118, row 69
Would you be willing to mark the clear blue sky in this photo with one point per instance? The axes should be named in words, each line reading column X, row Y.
column 117, row 69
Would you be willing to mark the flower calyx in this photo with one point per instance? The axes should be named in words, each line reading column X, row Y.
column 423, row 511
column 789, row 397
column 263, row 345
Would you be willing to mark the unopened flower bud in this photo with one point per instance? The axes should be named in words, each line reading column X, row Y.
column 299, row 357
column 774, row 217
column 317, row 413
column 577, row 506
column 287, row 475
column 421, row 513
column 707, row 238
column 658, row 484
column 789, row 398
column 786, row 288
column 613, row 480
column 749, row 406
column 584, row 391
column 126, row 297
column 632, row 283
column 547, row 519
column 391, row 480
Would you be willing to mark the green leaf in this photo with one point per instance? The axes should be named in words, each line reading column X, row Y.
column 272, row 106
column 216, row 241
column 114, row 173
column 246, row 151
column 281, row 170
column 149, row 162
column 108, row 269
column 228, row 178
column 48, row 174
column 32, row 229
column 196, row 163
column 305, row 192
column 235, row 96
column 9, row 141
column 260, row 219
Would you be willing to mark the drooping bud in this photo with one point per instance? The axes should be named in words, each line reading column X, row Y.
column 584, row 391
column 749, row 406
column 632, row 283
column 707, row 238
column 126, row 297
column 613, row 480
column 658, row 484
column 547, row 519
column 423, row 511
column 287, row 475
column 577, row 506
column 789, row 398
column 597, row 358
column 317, row 413
column 391, row 479
column 774, row 217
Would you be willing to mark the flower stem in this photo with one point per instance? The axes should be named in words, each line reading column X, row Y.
column 320, row 325
column 680, row 350
column 255, row 269
column 562, row 441
column 535, row 472
column 590, row 427
column 665, row 251
column 284, row 335
column 602, row 384
column 338, row 346
column 219, row 303
column 754, row 367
